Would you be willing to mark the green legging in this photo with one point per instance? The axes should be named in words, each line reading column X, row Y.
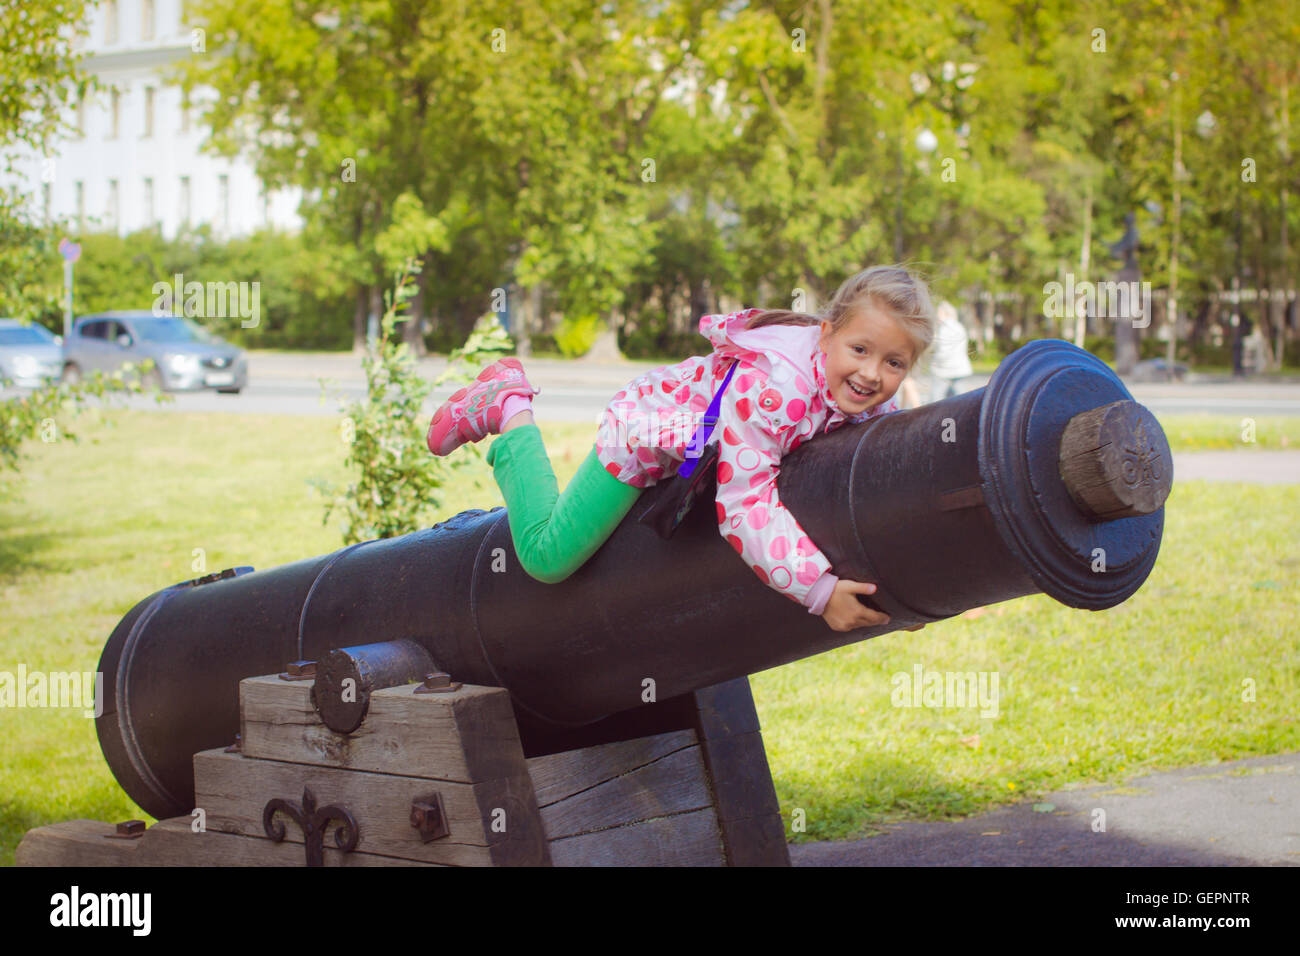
column 554, row 534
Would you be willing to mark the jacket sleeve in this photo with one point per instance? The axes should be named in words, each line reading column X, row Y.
column 757, row 424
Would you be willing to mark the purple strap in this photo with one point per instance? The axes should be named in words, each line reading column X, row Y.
column 696, row 447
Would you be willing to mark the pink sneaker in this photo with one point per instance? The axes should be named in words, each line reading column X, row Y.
column 474, row 412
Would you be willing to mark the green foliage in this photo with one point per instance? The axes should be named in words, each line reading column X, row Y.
column 29, row 287
column 304, row 301
column 533, row 141
column 39, row 80
column 411, row 233
column 654, row 343
column 397, row 483
column 40, row 75
column 576, row 335
column 486, row 343
column 119, row 272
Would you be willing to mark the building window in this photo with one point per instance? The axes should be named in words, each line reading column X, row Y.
column 110, row 22
column 81, row 115
column 81, row 206
column 185, row 112
column 146, row 19
column 148, row 201
column 223, row 203
column 45, row 201
column 148, row 111
column 115, row 111
column 185, row 200
column 111, row 211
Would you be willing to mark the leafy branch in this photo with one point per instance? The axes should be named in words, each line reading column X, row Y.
column 398, row 484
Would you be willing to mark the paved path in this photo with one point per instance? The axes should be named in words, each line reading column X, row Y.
column 1257, row 466
column 1243, row 813
column 577, row 391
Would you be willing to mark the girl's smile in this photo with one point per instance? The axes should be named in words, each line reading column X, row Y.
column 866, row 360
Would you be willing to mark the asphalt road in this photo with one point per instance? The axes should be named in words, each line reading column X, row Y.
column 287, row 384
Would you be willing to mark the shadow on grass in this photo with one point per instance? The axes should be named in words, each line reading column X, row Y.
column 21, row 548
column 890, row 787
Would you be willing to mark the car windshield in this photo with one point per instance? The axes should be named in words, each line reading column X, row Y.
column 172, row 330
column 28, row 335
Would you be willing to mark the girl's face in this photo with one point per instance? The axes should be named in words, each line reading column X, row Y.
column 866, row 360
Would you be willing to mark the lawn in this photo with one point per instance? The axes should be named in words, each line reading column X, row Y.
column 1204, row 432
column 1203, row 664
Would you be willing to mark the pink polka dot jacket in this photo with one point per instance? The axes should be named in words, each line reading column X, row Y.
column 777, row 399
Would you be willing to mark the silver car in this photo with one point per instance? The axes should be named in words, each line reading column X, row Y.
column 30, row 355
column 186, row 355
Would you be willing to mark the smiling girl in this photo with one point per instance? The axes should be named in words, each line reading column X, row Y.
column 794, row 376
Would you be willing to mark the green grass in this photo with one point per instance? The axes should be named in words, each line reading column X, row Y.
column 1203, row 432
column 103, row 525
column 1084, row 696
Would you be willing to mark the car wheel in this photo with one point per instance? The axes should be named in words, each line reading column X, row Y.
column 71, row 373
column 152, row 380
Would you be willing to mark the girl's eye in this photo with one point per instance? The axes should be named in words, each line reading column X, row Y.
column 858, row 349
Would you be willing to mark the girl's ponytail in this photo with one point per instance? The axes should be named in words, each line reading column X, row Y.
column 781, row 317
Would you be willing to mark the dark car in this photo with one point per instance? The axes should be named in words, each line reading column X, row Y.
column 186, row 355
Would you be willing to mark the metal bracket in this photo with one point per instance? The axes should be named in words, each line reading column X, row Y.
column 127, row 830
column 313, row 823
column 299, row 670
column 438, row 682
column 214, row 576
column 428, row 817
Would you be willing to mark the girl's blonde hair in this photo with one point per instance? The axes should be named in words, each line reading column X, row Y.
column 898, row 292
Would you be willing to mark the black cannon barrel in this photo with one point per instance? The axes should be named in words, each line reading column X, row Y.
column 959, row 504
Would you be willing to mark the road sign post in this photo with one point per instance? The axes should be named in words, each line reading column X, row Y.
column 71, row 252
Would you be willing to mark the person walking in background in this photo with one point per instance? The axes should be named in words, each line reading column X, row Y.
column 950, row 362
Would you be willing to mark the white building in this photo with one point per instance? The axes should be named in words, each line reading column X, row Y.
column 137, row 160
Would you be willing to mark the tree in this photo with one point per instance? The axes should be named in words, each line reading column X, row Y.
column 40, row 78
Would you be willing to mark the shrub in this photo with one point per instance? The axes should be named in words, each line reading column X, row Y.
column 397, row 481
column 576, row 335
